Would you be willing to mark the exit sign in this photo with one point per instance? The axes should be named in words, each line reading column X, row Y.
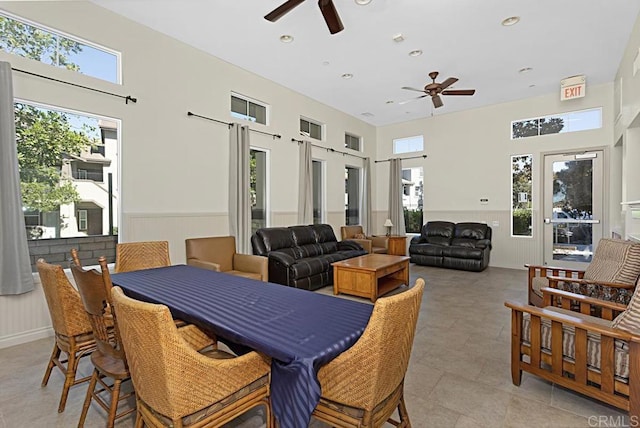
column 572, row 87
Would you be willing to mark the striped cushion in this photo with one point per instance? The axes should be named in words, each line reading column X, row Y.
column 538, row 283
column 629, row 320
column 615, row 260
column 568, row 343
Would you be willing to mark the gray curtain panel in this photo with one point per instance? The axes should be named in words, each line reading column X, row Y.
column 15, row 267
column 365, row 216
column 396, row 210
column 305, row 192
column 239, row 186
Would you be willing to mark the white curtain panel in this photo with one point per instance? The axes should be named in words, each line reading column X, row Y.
column 15, row 267
column 239, row 186
column 396, row 211
column 365, row 216
column 305, row 192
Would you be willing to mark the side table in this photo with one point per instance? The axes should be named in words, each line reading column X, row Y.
column 397, row 245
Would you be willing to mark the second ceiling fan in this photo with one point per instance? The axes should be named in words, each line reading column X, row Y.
column 434, row 90
column 327, row 8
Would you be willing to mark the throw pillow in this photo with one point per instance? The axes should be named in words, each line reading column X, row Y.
column 359, row 236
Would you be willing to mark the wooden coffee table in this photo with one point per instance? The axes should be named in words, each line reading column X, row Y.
column 371, row 275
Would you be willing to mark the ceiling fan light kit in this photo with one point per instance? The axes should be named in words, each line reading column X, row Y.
column 434, row 90
column 328, row 9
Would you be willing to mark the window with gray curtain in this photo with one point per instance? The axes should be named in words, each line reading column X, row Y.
column 258, row 180
column 305, row 183
column 318, row 192
column 239, row 187
column 396, row 190
column 352, row 195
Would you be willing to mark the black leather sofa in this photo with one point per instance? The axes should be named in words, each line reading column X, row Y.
column 464, row 246
column 301, row 256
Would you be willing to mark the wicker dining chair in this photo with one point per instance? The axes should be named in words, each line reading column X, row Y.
column 363, row 386
column 73, row 332
column 178, row 387
column 108, row 359
column 141, row 255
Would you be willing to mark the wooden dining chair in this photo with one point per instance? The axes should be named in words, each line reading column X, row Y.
column 177, row 386
column 71, row 325
column 363, row 386
column 141, row 255
column 108, row 359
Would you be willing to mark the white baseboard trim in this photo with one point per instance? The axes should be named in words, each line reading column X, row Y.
column 25, row 337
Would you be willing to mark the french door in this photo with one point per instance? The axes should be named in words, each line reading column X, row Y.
column 572, row 207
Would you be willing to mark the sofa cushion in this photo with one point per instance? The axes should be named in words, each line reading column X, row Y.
column 615, row 260
column 464, row 242
column 329, row 247
column 426, row 250
column 275, row 238
column 309, row 266
column 473, row 231
column 438, row 232
column 324, row 233
column 303, row 235
column 308, row 250
column 463, row 252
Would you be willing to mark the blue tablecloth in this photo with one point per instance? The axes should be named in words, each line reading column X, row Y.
column 299, row 329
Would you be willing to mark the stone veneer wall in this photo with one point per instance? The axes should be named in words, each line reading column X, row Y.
column 58, row 251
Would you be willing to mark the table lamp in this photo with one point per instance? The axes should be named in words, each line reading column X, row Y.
column 388, row 225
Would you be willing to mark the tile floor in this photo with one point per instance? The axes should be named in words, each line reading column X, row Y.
column 458, row 377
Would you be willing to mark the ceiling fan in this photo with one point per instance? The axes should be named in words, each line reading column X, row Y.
column 327, row 8
column 435, row 89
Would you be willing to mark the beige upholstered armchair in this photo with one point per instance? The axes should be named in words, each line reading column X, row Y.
column 219, row 253
column 611, row 275
column 371, row 244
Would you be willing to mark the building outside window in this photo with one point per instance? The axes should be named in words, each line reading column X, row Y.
column 19, row 36
column 521, row 186
column 408, row 145
column 82, row 219
column 258, row 191
column 311, row 128
column 352, row 195
column 352, row 142
column 412, row 199
column 318, row 193
column 245, row 108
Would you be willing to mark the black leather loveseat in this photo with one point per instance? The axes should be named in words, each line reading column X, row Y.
column 301, row 256
column 464, row 246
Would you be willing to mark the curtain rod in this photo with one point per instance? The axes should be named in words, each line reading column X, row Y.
column 229, row 125
column 127, row 98
column 329, row 149
column 412, row 157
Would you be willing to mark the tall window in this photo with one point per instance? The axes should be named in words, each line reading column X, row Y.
column 311, row 128
column 521, row 219
column 65, row 187
column 408, row 145
column 352, row 195
column 352, row 142
column 573, row 121
column 318, row 196
column 248, row 109
column 412, row 198
column 24, row 38
column 258, row 182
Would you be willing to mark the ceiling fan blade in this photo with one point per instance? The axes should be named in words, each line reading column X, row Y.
column 412, row 89
column 450, row 81
column 437, row 101
column 459, row 92
column 281, row 10
column 331, row 16
column 411, row 100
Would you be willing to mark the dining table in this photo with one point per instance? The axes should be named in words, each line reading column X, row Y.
column 300, row 330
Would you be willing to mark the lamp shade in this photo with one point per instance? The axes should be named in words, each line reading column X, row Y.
column 387, row 223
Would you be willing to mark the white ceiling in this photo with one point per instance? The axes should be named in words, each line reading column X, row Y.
column 460, row 38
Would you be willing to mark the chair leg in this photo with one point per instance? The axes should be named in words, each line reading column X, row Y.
column 403, row 414
column 115, row 398
column 139, row 421
column 69, row 379
column 55, row 354
column 87, row 400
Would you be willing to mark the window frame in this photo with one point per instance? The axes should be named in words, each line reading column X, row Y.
column 321, row 188
column 563, row 115
column 355, row 137
column 359, row 194
column 246, row 116
column 80, row 40
column 83, row 213
column 267, row 154
column 320, row 126
column 529, row 201
column 394, row 146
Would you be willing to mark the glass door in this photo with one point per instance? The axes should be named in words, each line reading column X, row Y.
column 573, row 208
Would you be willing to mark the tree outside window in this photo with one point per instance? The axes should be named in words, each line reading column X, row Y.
column 521, row 212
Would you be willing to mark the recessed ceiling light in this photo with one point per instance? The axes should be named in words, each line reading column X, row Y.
column 325, row 63
column 532, row 86
column 512, row 20
column 389, row 102
column 286, row 38
column 416, row 52
column 525, row 70
column 398, row 38
column 347, row 76
column 363, row 2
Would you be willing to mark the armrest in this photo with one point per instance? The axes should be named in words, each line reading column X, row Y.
column 553, row 268
column 364, row 243
column 379, row 241
column 584, row 299
column 251, row 263
column 576, row 322
column 553, row 280
column 483, row 243
column 282, row 258
column 417, row 240
column 204, row 265
column 349, row 244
